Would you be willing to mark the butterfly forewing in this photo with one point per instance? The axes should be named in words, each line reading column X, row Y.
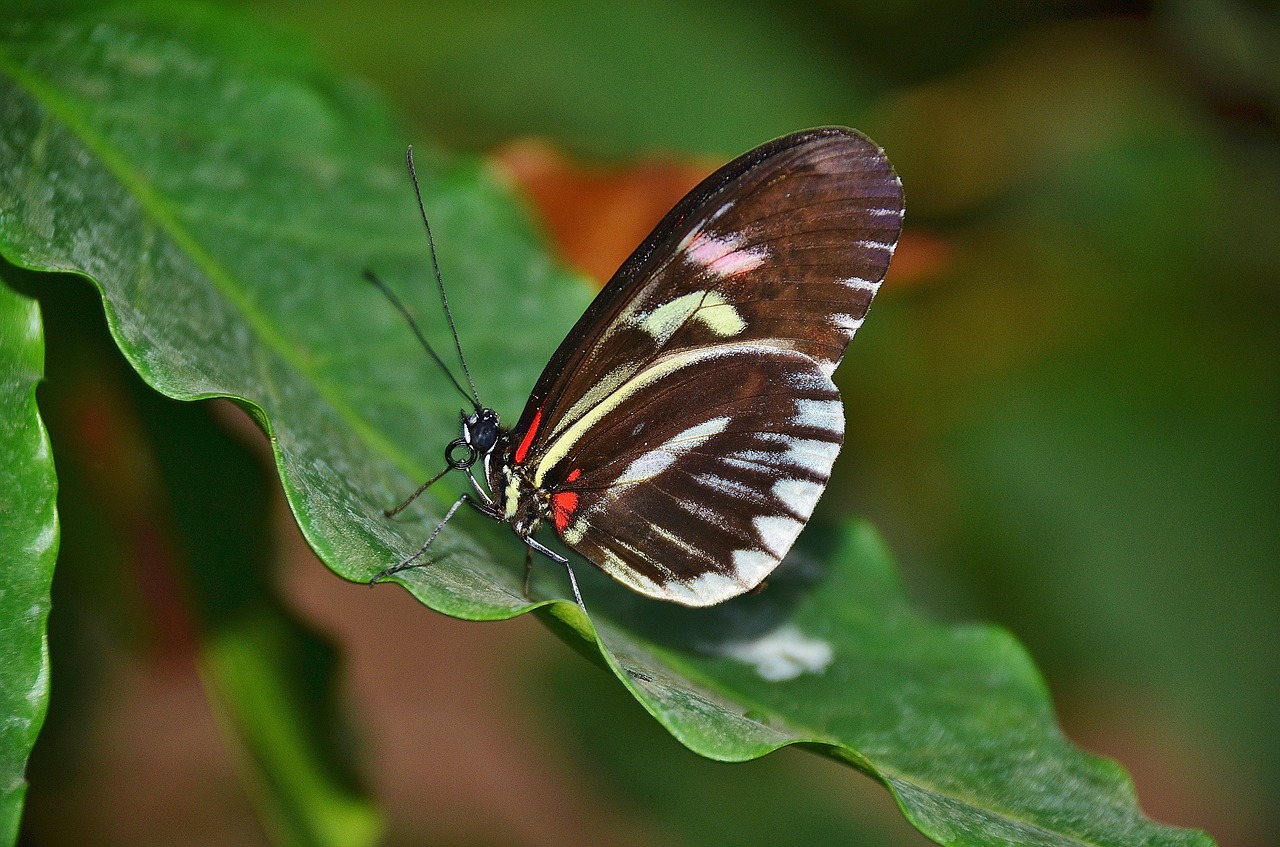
column 810, row 220
column 688, row 423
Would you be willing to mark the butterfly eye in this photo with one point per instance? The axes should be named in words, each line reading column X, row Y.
column 480, row 431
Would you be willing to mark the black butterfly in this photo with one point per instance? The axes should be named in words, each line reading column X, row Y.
column 684, row 430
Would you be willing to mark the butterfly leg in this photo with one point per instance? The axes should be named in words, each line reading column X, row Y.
column 555, row 557
column 408, row 563
column 528, row 569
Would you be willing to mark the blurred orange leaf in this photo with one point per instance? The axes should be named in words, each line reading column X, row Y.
column 596, row 215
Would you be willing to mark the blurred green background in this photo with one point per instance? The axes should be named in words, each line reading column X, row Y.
column 1063, row 415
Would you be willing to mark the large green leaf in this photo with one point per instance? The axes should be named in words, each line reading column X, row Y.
column 28, row 548
column 224, row 192
column 147, row 489
column 783, row 798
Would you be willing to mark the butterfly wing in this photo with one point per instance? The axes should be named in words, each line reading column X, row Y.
column 687, row 425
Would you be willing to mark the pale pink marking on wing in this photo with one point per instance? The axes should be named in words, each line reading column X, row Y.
column 738, row 262
column 721, row 256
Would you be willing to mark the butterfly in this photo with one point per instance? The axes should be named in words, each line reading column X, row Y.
column 682, row 433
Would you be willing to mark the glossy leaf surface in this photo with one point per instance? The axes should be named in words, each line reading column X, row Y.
column 28, row 549
column 224, row 192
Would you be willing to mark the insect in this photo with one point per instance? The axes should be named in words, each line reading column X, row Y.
column 681, row 435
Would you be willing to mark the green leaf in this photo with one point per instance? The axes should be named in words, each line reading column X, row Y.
column 224, row 192
column 28, row 549
column 144, row 478
column 784, row 798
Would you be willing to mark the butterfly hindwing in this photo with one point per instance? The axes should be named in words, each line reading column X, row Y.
column 695, row 487
column 688, row 423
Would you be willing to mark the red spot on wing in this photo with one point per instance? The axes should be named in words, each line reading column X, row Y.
column 563, row 505
column 523, row 450
column 574, row 474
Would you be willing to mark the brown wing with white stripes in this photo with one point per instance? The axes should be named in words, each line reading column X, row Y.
column 785, row 245
column 688, row 422
column 694, row 487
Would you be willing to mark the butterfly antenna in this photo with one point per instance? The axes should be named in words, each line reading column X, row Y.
column 408, row 316
column 444, row 300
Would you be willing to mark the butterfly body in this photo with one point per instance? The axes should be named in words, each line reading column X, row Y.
column 681, row 435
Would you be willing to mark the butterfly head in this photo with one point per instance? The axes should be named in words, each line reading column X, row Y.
column 480, row 430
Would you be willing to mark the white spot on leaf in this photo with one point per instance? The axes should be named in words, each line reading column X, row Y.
column 781, row 655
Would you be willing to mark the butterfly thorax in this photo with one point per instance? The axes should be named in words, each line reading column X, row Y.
column 522, row 503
